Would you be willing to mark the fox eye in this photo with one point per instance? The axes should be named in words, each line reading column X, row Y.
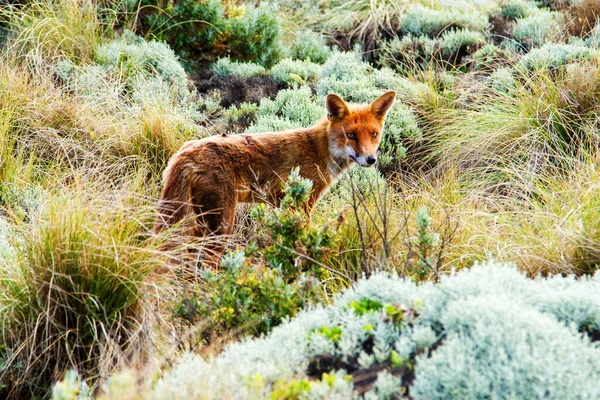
column 351, row 136
column 374, row 135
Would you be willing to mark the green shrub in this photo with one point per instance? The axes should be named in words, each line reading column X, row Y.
column 536, row 30
column 285, row 239
column 458, row 41
column 503, row 80
column 288, row 252
column 199, row 30
column 224, row 67
column 131, row 56
column 488, row 332
column 190, row 27
column 253, row 298
column 254, row 35
column 296, row 106
column 420, row 20
column 518, row 9
column 554, row 55
column 240, row 118
column 310, row 46
column 295, row 71
column 489, row 57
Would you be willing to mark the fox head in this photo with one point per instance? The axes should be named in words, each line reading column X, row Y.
column 355, row 133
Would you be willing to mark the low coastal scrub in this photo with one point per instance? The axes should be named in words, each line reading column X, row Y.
column 387, row 338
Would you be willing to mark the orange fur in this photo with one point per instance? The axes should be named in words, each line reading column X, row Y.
column 207, row 178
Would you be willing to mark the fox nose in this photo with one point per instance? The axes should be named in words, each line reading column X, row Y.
column 371, row 160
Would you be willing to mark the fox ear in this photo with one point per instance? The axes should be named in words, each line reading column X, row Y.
column 381, row 105
column 336, row 107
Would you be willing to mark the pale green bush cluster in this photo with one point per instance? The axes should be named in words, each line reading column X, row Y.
column 537, row 29
column 292, row 108
column 421, row 20
column 132, row 56
column 452, row 42
column 554, row 55
column 131, row 73
column 482, row 333
column 225, row 67
column 310, row 46
column 517, row 9
column 296, row 71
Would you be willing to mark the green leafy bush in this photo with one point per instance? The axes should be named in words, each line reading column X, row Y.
column 285, row 239
column 460, row 41
column 421, row 20
column 518, row 9
column 200, row 31
column 292, row 108
column 253, row 298
column 295, row 71
column 310, row 46
column 489, row 57
column 190, row 27
column 224, row 67
column 503, row 80
column 536, row 30
column 488, row 332
column 131, row 56
column 254, row 35
column 284, row 275
column 240, row 118
column 554, row 55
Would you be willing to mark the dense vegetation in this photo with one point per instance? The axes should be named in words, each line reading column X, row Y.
column 491, row 152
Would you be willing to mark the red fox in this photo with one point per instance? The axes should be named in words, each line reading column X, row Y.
column 207, row 178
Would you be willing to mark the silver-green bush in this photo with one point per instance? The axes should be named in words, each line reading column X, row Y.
column 310, row 46
column 225, row 67
column 295, row 71
column 488, row 332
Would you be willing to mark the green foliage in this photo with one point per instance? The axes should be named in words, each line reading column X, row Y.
column 224, row 67
column 310, row 46
column 290, row 390
column 489, row 57
column 421, row 20
column 254, row 36
column 457, row 41
column 503, row 80
column 482, row 333
column 285, row 238
column 366, row 305
column 199, row 30
column 295, row 72
column 72, row 387
column 130, row 56
column 553, row 55
column 518, row 9
column 292, row 108
column 536, row 30
column 425, row 244
column 239, row 118
column 252, row 298
column 190, row 27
